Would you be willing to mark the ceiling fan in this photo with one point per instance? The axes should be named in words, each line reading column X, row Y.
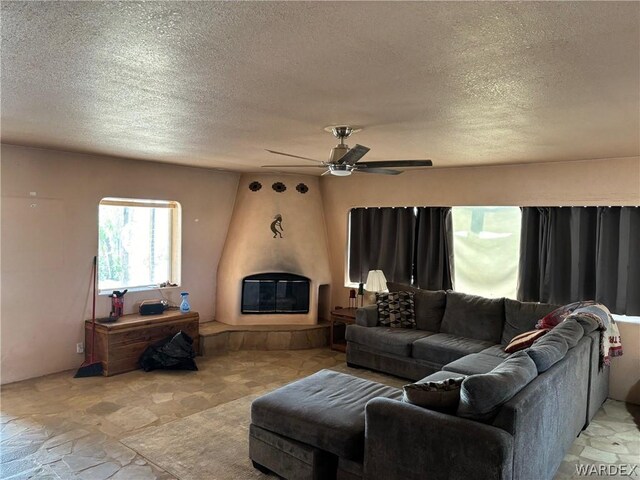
column 343, row 161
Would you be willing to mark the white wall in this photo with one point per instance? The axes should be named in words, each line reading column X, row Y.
column 48, row 243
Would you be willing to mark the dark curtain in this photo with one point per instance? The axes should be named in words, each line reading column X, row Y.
column 382, row 239
column 618, row 259
column 581, row 253
column 434, row 249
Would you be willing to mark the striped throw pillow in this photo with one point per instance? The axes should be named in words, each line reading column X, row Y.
column 524, row 340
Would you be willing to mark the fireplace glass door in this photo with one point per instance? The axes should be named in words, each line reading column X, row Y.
column 275, row 293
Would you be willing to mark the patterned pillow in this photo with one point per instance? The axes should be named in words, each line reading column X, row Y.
column 524, row 340
column 442, row 396
column 396, row 310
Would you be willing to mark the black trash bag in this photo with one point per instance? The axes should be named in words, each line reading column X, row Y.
column 172, row 353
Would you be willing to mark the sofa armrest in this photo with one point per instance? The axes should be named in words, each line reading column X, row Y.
column 367, row 316
column 406, row 442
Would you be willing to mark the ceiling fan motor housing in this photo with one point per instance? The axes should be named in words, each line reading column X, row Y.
column 338, row 152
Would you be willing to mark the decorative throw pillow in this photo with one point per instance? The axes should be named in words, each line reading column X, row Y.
column 396, row 310
column 442, row 396
column 429, row 305
column 524, row 340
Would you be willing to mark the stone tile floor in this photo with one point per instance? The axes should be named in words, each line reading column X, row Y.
column 56, row 426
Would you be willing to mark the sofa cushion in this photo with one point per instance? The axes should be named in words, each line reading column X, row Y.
column 570, row 330
column 471, row 316
column 396, row 310
column 429, row 305
column 324, row 410
column 482, row 395
column 474, row 363
column 521, row 317
column 443, row 348
column 547, row 351
column 397, row 341
column 496, row 351
column 443, row 395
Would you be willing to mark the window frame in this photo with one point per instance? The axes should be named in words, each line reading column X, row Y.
column 175, row 240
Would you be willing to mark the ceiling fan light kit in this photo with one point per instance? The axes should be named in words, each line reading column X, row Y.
column 343, row 161
column 339, row 170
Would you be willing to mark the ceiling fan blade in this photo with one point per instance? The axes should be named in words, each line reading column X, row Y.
column 293, row 166
column 353, row 155
column 398, row 163
column 383, row 171
column 294, row 156
column 326, row 173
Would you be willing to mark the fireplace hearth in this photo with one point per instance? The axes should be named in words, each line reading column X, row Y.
column 268, row 293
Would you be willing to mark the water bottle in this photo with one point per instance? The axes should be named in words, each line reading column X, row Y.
column 184, row 306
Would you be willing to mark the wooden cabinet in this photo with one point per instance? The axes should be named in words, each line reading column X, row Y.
column 120, row 344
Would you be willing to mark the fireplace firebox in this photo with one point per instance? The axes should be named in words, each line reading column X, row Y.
column 275, row 293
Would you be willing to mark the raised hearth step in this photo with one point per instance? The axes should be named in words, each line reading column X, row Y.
column 217, row 338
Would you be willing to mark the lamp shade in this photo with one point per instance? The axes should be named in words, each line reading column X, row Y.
column 376, row 281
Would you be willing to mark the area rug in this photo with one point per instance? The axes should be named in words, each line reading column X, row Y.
column 212, row 444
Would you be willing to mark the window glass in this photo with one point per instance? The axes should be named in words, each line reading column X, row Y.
column 138, row 243
column 486, row 245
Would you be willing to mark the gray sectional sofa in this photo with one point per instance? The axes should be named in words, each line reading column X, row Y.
column 466, row 333
column 518, row 414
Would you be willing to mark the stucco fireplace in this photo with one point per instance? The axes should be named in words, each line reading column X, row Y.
column 276, row 244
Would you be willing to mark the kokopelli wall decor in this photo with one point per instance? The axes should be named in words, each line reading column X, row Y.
column 276, row 226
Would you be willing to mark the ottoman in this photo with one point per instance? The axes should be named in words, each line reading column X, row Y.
column 300, row 430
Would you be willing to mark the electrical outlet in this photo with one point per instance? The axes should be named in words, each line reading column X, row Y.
column 80, row 347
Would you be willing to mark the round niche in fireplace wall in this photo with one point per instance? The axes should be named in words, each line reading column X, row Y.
column 279, row 187
column 255, row 186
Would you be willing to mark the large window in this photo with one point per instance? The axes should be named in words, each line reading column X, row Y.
column 138, row 244
column 486, row 244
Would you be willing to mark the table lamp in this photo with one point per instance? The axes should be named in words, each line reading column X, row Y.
column 376, row 282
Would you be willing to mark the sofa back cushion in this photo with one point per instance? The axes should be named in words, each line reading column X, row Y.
column 548, row 350
column 570, row 330
column 482, row 395
column 521, row 317
column 429, row 305
column 474, row 317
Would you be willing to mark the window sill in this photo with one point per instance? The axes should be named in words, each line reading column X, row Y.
column 108, row 292
column 626, row 319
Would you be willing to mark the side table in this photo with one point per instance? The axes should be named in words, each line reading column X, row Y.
column 340, row 318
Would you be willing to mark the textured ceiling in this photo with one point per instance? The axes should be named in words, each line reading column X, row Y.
column 215, row 83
